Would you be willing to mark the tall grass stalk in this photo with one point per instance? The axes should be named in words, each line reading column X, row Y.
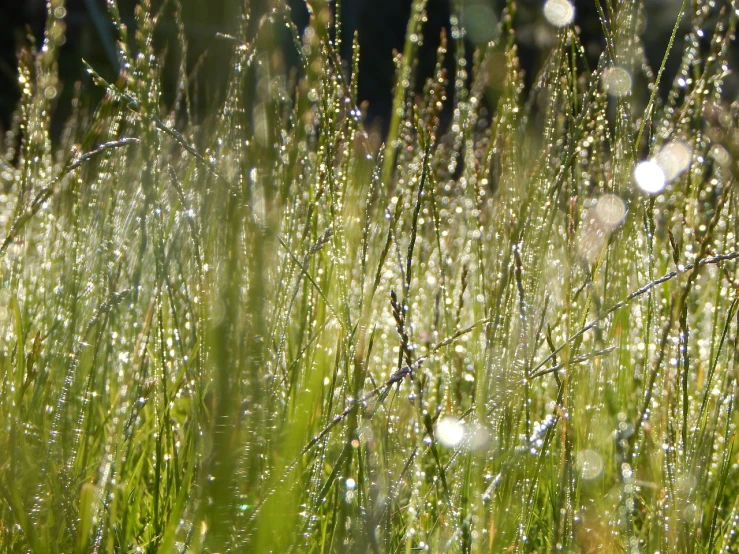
column 261, row 332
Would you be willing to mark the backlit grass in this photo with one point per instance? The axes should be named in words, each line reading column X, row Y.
column 265, row 332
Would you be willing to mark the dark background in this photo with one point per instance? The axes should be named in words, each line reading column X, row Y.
column 381, row 25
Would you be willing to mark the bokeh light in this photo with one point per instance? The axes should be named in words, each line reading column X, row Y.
column 450, row 432
column 610, row 211
column 590, row 464
column 478, row 438
column 674, row 158
column 650, row 177
column 559, row 13
column 616, row 81
column 480, row 22
column 603, row 217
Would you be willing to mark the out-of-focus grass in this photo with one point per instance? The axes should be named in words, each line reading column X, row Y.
column 206, row 328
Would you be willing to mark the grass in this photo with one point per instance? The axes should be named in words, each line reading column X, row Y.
column 261, row 333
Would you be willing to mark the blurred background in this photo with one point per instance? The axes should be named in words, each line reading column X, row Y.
column 380, row 24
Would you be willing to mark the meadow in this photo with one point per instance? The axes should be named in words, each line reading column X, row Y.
column 513, row 329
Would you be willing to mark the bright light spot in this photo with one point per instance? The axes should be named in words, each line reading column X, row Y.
column 450, row 432
column 674, row 158
column 351, row 484
column 479, row 438
column 610, row 211
column 261, row 124
column 617, row 81
column 599, row 222
column 650, row 177
column 480, row 22
column 719, row 153
column 559, row 13
column 590, row 464
column 685, row 484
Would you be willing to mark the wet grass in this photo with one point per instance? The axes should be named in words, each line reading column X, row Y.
column 264, row 332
